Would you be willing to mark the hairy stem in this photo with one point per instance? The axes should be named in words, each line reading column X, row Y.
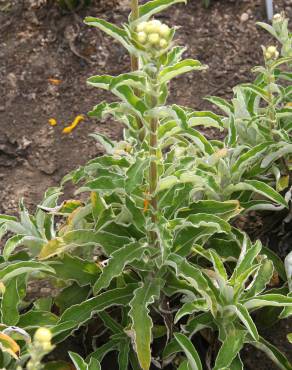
column 273, row 118
column 153, row 171
column 134, row 16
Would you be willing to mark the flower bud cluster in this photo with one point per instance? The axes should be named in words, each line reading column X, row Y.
column 42, row 338
column 271, row 53
column 153, row 34
column 279, row 17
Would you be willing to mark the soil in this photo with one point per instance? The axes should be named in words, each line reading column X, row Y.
column 47, row 54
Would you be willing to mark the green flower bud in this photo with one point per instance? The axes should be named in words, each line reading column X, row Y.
column 164, row 31
column 271, row 53
column 277, row 17
column 141, row 27
column 272, row 49
column 163, row 43
column 154, row 38
column 152, row 26
column 43, row 335
column 142, row 37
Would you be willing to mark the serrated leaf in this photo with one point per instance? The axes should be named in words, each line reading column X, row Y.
column 141, row 321
column 81, row 313
column 116, row 264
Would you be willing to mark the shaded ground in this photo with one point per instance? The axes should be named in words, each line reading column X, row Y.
column 36, row 45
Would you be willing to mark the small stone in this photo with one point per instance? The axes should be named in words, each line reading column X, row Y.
column 244, row 17
column 2, row 108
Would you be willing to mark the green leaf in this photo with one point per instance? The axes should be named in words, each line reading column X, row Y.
column 126, row 94
column 206, row 119
column 277, row 262
column 250, row 156
column 245, row 260
column 195, row 277
column 179, row 68
column 232, row 133
column 277, row 300
column 269, row 29
column 191, row 229
column 108, row 183
column 190, row 307
column 260, row 188
column 147, row 10
column 78, row 361
column 35, row 318
column 110, row 29
column 135, row 174
column 73, row 268
column 123, row 358
column 71, row 295
column 221, row 103
column 202, row 321
column 102, row 82
column 262, row 278
column 9, row 303
column 141, row 321
column 229, row 350
column 190, row 351
column 275, row 155
column 94, row 364
column 224, row 210
column 18, row 240
column 273, row 353
column 19, row 268
column 257, row 90
column 81, row 313
column 245, row 318
column 117, row 263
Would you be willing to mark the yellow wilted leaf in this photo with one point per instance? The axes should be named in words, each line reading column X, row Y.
column 52, row 122
column 9, row 345
column 54, row 81
column 70, row 205
column 70, row 128
column 283, row 183
column 52, row 248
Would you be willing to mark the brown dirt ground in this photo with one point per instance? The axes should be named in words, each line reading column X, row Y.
column 44, row 43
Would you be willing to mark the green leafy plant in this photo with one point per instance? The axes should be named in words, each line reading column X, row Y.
column 152, row 240
column 259, row 116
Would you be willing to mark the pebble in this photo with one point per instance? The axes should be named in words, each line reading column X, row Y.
column 244, row 17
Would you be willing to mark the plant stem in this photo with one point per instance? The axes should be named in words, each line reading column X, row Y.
column 153, row 171
column 134, row 16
